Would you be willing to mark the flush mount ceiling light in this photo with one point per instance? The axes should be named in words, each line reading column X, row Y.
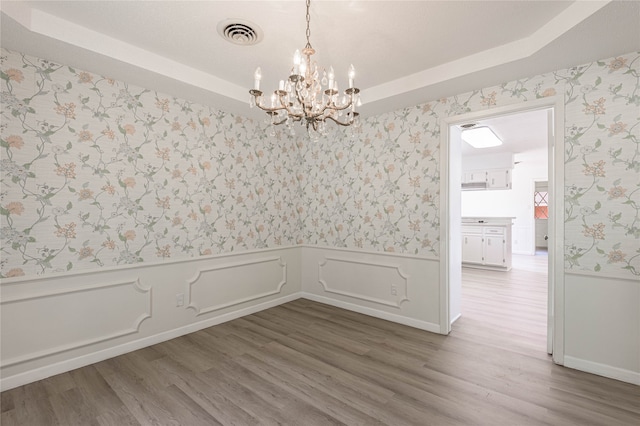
column 481, row 137
column 305, row 97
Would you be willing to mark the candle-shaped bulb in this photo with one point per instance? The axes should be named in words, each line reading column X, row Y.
column 352, row 75
column 281, row 85
column 297, row 59
column 273, row 100
column 257, row 76
column 331, row 76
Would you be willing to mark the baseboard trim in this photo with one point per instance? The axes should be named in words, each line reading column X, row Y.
column 30, row 376
column 423, row 325
column 604, row 370
column 457, row 317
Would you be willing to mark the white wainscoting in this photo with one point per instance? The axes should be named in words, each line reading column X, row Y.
column 400, row 288
column 61, row 330
column 602, row 326
column 384, row 284
column 53, row 324
column 238, row 282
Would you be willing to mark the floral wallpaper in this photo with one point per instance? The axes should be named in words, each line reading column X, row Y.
column 602, row 166
column 378, row 188
column 97, row 173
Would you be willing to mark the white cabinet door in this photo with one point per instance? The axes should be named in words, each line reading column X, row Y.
column 499, row 179
column 494, row 250
column 487, row 246
column 472, row 248
column 474, row 176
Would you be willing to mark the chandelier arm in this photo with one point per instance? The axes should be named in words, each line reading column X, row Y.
column 281, row 121
column 332, row 107
column 290, row 112
column 341, row 108
column 345, row 124
column 265, row 108
column 271, row 109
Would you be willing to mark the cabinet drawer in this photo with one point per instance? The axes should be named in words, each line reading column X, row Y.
column 494, row 230
column 471, row 230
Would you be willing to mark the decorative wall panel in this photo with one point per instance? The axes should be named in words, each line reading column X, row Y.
column 227, row 285
column 63, row 320
column 401, row 288
column 369, row 281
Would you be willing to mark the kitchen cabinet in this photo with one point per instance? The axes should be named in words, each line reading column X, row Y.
column 474, row 176
column 499, row 179
column 472, row 246
column 492, row 179
column 486, row 245
column 494, row 250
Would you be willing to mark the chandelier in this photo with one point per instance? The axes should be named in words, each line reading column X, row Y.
column 305, row 98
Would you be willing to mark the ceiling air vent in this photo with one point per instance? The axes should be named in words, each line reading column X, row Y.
column 238, row 31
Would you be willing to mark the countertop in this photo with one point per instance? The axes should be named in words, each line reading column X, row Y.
column 487, row 220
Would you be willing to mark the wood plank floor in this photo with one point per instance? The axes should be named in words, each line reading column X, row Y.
column 304, row 363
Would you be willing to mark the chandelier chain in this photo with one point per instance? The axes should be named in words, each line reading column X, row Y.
column 308, row 27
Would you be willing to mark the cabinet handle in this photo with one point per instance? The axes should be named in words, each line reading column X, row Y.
column 488, row 242
column 465, row 240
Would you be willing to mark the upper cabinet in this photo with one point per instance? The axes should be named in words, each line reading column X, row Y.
column 499, row 179
column 486, row 179
column 474, row 176
column 487, row 172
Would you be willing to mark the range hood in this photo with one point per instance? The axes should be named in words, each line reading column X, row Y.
column 474, row 186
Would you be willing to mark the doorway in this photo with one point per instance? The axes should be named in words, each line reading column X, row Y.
column 451, row 216
column 541, row 215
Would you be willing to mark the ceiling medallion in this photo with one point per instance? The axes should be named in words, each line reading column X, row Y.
column 305, row 98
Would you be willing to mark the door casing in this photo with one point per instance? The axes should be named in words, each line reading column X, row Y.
column 449, row 160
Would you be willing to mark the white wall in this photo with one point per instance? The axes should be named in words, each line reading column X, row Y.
column 395, row 287
column 602, row 326
column 516, row 202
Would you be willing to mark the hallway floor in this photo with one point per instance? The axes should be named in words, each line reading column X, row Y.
column 510, row 307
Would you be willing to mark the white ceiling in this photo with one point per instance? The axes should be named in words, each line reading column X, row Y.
column 405, row 52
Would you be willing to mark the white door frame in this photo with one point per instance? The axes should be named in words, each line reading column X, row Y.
column 556, row 222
